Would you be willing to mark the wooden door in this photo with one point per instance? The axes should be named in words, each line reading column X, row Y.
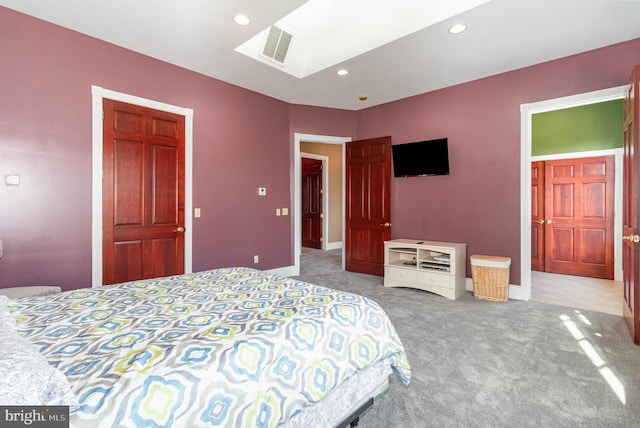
column 142, row 193
column 537, row 216
column 579, row 216
column 631, row 201
column 368, row 217
column 312, row 214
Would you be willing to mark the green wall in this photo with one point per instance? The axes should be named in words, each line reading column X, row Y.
column 577, row 129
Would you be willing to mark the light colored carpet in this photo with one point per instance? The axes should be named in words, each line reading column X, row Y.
column 477, row 363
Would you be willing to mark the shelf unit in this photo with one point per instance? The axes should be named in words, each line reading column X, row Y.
column 437, row 267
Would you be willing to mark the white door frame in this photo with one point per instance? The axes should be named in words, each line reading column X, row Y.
column 523, row 292
column 297, row 188
column 617, row 196
column 98, row 94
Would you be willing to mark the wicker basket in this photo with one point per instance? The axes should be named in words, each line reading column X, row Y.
column 490, row 277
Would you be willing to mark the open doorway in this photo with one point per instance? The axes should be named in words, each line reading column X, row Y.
column 567, row 290
column 333, row 148
column 98, row 95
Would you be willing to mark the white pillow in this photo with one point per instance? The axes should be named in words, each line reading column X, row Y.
column 5, row 315
column 25, row 376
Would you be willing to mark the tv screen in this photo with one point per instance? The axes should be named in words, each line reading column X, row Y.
column 421, row 158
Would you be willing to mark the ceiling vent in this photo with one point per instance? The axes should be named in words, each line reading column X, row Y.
column 277, row 44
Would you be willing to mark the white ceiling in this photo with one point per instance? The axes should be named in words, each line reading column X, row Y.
column 502, row 35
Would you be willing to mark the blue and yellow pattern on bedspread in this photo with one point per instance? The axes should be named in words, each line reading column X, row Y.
column 232, row 347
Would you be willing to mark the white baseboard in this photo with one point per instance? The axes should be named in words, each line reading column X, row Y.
column 333, row 245
column 284, row 271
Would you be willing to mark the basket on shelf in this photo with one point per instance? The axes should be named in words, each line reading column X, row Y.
column 490, row 277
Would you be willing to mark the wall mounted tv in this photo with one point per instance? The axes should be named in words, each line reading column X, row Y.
column 421, row 158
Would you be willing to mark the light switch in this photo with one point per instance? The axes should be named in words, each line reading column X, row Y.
column 285, row 211
column 278, row 212
column 262, row 191
column 12, row 180
column 196, row 212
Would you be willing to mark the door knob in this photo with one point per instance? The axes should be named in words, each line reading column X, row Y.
column 548, row 221
column 387, row 224
column 541, row 221
column 632, row 238
column 179, row 229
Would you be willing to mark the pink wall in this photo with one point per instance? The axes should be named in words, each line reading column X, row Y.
column 243, row 140
column 479, row 203
column 322, row 121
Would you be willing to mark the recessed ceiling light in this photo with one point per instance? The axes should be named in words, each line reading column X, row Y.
column 362, row 98
column 457, row 29
column 342, row 72
column 241, row 19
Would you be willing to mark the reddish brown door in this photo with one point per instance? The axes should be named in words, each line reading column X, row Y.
column 537, row 216
column 631, row 201
column 142, row 193
column 579, row 216
column 312, row 203
column 368, row 217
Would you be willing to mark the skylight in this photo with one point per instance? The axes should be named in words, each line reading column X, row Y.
column 327, row 32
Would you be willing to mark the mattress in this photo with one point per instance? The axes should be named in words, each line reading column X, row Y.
column 225, row 347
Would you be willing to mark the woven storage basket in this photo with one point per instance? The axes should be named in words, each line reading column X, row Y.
column 490, row 277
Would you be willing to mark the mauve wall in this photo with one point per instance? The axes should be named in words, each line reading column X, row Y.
column 322, row 121
column 479, row 203
column 241, row 141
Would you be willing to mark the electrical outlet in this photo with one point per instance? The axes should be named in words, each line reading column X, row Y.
column 256, row 259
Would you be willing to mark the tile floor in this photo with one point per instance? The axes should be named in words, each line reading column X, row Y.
column 578, row 292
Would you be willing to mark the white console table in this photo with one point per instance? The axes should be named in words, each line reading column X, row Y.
column 438, row 267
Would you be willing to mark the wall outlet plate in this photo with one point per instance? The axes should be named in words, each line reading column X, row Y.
column 12, row 180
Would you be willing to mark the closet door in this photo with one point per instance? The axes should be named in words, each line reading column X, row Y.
column 537, row 216
column 142, row 193
column 368, row 206
column 631, row 207
column 579, row 197
column 312, row 211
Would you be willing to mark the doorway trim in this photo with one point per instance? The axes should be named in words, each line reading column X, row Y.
column 325, row 196
column 98, row 94
column 527, row 110
column 297, row 188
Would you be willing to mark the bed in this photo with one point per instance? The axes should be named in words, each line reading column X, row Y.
column 226, row 347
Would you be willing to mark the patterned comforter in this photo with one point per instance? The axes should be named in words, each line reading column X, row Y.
column 227, row 347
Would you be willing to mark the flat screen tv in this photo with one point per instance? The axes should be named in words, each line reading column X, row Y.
column 421, row 158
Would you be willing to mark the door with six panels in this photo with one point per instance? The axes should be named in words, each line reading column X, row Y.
column 142, row 193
